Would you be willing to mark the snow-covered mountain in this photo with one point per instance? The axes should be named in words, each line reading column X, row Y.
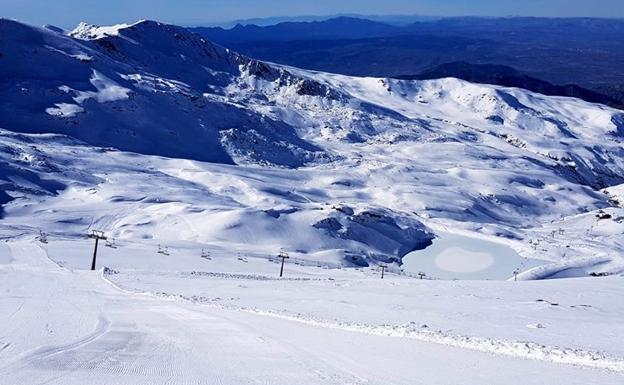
column 149, row 131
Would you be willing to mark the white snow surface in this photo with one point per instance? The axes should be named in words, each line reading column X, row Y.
column 201, row 165
column 180, row 320
column 88, row 31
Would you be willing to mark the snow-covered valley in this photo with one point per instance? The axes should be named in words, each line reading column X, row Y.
column 201, row 165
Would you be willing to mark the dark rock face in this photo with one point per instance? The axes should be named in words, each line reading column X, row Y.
column 377, row 229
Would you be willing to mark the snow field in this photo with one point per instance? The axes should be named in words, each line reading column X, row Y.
column 126, row 337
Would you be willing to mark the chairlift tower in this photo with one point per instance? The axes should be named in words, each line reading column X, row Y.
column 284, row 256
column 97, row 235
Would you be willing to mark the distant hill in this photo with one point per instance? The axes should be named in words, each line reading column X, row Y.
column 509, row 77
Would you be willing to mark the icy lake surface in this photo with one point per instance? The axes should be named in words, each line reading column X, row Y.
column 453, row 256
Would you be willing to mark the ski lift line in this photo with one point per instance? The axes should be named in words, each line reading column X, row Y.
column 112, row 243
column 304, row 262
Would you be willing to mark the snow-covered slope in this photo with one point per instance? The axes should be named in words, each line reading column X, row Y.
column 109, row 127
column 140, row 88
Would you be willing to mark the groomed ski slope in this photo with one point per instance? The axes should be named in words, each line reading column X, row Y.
column 64, row 326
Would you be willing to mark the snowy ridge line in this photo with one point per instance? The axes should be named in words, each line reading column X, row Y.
column 519, row 349
column 105, row 271
column 412, row 330
column 546, row 271
column 209, row 274
column 257, row 277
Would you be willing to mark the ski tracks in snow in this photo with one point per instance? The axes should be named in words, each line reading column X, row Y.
column 51, row 353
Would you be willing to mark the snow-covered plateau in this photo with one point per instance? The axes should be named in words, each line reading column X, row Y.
column 201, row 165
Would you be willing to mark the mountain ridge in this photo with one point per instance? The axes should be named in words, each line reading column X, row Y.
column 152, row 131
column 338, row 27
column 509, row 77
column 561, row 51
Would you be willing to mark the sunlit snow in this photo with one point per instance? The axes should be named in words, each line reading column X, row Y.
column 202, row 166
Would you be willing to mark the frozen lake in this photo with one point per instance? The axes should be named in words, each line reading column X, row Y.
column 453, row 256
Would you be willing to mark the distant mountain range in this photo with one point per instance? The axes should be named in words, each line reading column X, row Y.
column 337, row 28
column 388, row 19
column 584, row 52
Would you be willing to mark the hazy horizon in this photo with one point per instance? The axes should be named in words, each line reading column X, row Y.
column 69, row 13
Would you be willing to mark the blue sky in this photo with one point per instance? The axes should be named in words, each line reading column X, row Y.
column 67, row 13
